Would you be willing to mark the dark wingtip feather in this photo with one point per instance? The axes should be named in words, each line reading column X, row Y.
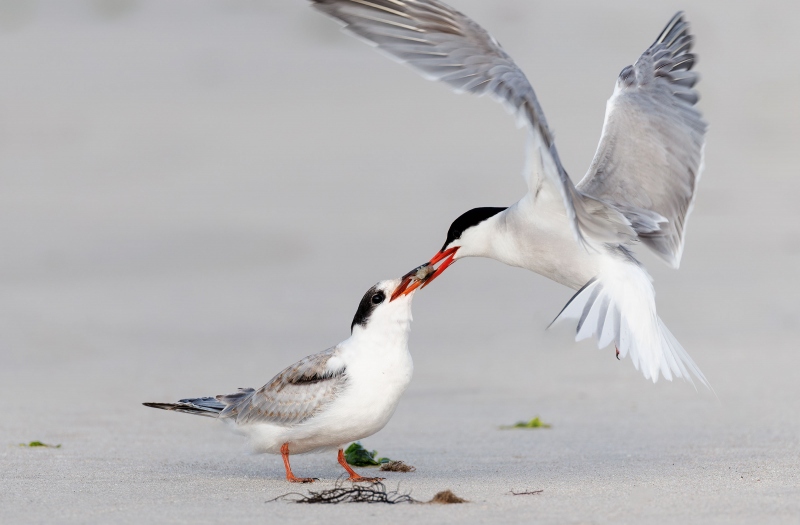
column 686, row 62
column 162, row 406
column 675, row 26
column 204, row 406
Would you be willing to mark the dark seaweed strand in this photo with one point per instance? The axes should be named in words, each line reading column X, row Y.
column 373, row 493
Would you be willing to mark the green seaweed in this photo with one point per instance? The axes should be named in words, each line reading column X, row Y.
column 357, row 456
column 533, row 423
column 33, row 444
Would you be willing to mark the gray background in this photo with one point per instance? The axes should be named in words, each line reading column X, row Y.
column 196, row 193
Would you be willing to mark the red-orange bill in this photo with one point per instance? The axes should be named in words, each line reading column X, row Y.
column 421, row 276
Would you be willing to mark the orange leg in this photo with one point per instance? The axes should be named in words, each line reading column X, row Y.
column 289, row 475
column 353, row 474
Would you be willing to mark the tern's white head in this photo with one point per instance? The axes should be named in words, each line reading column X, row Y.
column 470, row 235
column 378, row 310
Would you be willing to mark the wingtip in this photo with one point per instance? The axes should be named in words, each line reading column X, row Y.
column 162, row 406
column 677, row 19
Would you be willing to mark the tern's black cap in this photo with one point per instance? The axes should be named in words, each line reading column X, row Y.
column 467, row 220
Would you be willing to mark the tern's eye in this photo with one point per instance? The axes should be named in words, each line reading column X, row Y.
column 378, row 298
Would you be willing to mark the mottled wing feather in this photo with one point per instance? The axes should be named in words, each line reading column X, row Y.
column 650, row 154
column 296, row 394
column 445, row 45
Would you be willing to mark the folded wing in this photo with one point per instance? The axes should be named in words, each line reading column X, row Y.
column 293, row 396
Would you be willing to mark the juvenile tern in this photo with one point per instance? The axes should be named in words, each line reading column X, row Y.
column 639, row 188
column 329, row 399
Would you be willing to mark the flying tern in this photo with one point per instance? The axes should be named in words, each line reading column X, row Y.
column 329, row 399
column 640, row 187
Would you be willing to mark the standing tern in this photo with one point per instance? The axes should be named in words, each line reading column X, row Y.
column 328, row 399
column 639, row 187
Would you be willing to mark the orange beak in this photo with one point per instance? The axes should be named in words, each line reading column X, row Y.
column 410, row 280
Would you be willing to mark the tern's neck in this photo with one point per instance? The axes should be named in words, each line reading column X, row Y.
column 491, row 238
column 385, row 330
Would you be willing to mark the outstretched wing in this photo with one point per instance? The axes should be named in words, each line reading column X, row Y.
column 650, row 154
column 293, row 396
column 443, row 44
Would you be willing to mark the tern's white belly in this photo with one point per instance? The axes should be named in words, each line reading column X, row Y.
column 365, row 405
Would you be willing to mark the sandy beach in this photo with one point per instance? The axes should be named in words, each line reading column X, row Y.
column 196, row 194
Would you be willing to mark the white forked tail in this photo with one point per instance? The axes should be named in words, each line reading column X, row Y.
column 619, row 306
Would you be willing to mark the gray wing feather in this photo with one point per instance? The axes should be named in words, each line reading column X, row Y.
column 650, row 154
column 296, row 394
column 445, row 45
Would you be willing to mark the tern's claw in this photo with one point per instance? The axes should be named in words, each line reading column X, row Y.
column 361, row 479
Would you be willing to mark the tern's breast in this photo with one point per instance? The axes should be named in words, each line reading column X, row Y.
column 542, row 241
column 375, row 383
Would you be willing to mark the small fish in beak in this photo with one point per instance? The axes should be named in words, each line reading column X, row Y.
column 423, row 275
column 413, row 279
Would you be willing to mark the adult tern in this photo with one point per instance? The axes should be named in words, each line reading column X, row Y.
column 639, row 188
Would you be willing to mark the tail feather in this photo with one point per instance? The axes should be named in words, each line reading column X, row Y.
column 202, row 406
column 619, row 306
